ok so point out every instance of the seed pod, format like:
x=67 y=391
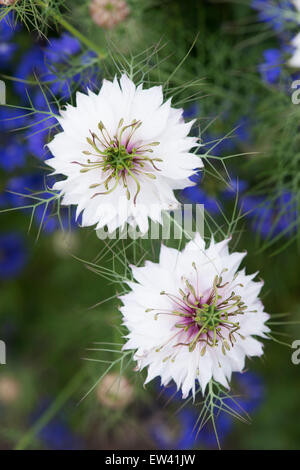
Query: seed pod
x=108 y=13
x=7 y=2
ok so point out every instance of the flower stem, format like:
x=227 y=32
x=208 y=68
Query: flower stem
x=65 y=24
x=212 y=407
x=53 y=409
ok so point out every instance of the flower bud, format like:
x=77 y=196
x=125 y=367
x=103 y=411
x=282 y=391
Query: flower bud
x=108 y=13
x=115 y=392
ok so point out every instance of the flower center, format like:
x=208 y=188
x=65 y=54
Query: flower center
x=208 y=316
x=210 y=320
x=120 y=159
x=207 y=321
x=110 y=7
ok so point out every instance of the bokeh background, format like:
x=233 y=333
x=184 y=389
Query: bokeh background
x=226 y=64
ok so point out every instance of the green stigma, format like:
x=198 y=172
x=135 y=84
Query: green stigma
x=209 y=316
x=214 y=320
x=118 y=159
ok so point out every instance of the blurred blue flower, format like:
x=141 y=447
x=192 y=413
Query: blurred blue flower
x=7 y=51
x=12 y=147
x=217 y=145
x=248 y=396
x=50 y=65
x=243 y=129
x=273 y=12
x=58 y=56
x=198 y=194
x=13 y=255
x=250 y=391
x=59 y=52
x=11 y=118
x=8 y=27
x=90 y=79
x=169 y=435
x=30 y=66
x=56 y=434
x=234 y=188
x=47 y=216
x=3 y=199
x=12 y=155
x=45 y=65
x=19 y=186
x=41 y=126
x=272 y=218
x=191 y=111
x=224 y=425
x=188 y=434
x=17 y=194
x=59 y=49
x=270 y=69
x=185 y=434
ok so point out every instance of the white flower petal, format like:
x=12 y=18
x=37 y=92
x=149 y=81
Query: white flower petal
x=156 y=322
x=151 y=131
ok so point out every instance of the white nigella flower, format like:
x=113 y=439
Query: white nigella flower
x=294 y=61
x=297 y=4
x=123 y=152
x=193 y=317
